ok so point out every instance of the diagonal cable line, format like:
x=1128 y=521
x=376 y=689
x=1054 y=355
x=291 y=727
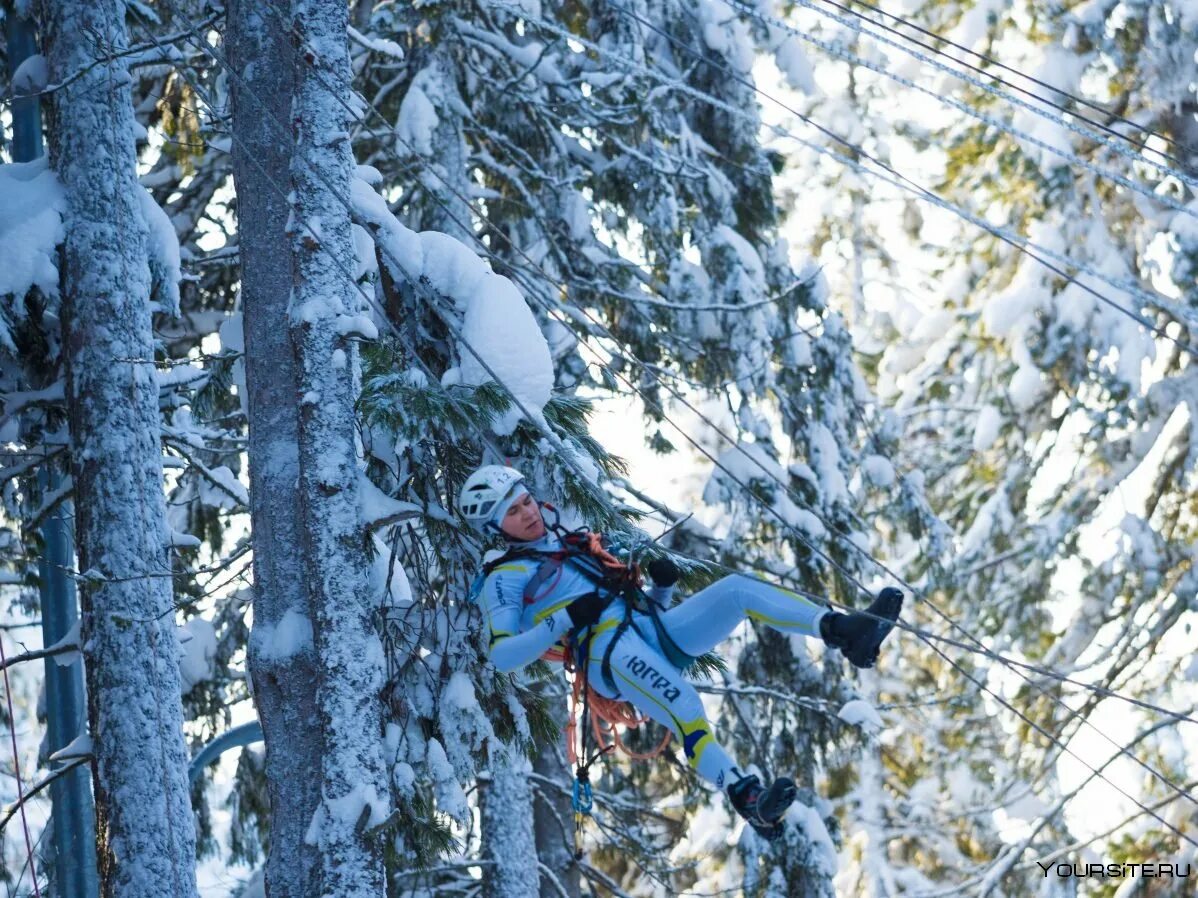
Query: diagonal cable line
x=569 y=461
x=899 y=180
x=536 y=420
x=551 y=311
x=994 y=62
x=726 y=437
x=965 y=108
x=849 y=575
x=982 y=650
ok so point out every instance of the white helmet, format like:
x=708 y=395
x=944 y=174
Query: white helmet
x=485 y=490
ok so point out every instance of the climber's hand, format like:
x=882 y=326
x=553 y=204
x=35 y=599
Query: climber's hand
x=663 y=571
x=585 y=610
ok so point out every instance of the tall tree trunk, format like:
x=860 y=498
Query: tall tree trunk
x=144 y=819
x=507 y=831
x=284 y=682
x=506 y=827
x=354 y=787
x=553 y=813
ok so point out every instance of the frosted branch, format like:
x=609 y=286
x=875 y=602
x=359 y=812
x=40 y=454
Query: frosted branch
x=38 y=787
x=35 y=654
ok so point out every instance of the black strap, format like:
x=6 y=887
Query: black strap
x=586 y=758
x=605 y=669
x=509 y=555
x=673 y=653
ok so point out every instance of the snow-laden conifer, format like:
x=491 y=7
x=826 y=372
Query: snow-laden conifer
x=324 y=316
x=145 y=828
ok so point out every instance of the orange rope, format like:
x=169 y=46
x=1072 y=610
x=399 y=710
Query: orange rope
x=606 y=715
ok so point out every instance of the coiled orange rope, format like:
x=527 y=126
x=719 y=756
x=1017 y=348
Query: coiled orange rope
x=606 y=715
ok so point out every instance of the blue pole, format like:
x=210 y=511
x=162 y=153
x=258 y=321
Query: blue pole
x=73 y=820
x=238 y=737
x=26 y=112
x=74 y=816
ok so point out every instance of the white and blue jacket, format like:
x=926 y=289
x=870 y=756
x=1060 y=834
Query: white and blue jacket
x=519 y=634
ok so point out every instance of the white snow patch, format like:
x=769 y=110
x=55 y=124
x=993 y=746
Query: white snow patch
x=377 y=44
x=356 y=326
x=365 y=261
x=79 y=747
x=31 y=76
x=71 y=638
x=499 y=336
x=404 y=779
x=500 y=333
x=1025 y=386
x=993 y=512
x=417 y=120
x=451 y=799
x=232 y=339
x=861 y=713
x=749 y=260
x=226 y=493
x=30 y=229
x=163 y=248
x=793 y=62
x=399 y=590
x=349 y=808
x=800 y=351
x=825 y=458
x=878 y=470
x=452 y=268
x=809 y=820
x=176 y=539
x=290 y=636
x=726 y=33
x=985 y=431
x=376 y=506
x=463 y=723
x=197 y=652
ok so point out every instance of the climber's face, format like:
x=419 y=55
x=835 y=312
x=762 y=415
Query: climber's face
x=523 y=520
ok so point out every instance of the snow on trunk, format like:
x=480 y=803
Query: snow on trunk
x=284 y=681
x=553 y=813
x=507 y=829
x=144 y=818
x=336 y=568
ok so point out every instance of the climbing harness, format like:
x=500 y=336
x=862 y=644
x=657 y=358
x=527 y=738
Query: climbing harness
x=589 y=554
x=594 y=732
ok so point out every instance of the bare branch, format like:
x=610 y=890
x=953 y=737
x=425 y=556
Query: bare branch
x=38 y=787
x=35 y=654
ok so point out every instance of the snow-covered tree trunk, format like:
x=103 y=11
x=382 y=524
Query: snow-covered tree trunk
x=508 y=841
x=144 y=819
x=283 y=672
x=553 y=813
x=336 y=565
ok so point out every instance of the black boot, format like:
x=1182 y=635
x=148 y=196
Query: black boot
x=860 y=635
x=762 y=807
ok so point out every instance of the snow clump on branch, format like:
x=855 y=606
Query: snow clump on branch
x=497 y=336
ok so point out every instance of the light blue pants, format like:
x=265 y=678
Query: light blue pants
x=656 y=688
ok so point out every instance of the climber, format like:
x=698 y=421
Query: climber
x=552 y=587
